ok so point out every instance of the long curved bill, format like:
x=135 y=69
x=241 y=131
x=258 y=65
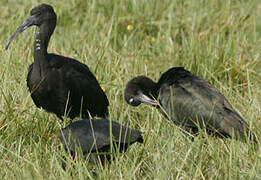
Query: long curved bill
x=145 y=99
x=29 y=22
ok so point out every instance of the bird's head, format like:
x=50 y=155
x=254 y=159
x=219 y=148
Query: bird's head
x=38 y=16
x=139 y=90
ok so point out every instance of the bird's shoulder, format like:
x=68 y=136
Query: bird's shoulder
x=67 y=64
x=71 y=69
x=174 y=75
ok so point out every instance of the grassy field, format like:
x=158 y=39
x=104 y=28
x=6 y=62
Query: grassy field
x=217 y=40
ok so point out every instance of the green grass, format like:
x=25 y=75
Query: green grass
x=217 y=40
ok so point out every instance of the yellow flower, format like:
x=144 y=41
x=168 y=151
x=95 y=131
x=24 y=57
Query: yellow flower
x=103 y=89
x=153 y=39
x=130 y=27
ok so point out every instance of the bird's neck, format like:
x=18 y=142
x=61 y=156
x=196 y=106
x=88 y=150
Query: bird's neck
x=155 y=90
x=40 y=46
x=42 y=39
x=152 y=89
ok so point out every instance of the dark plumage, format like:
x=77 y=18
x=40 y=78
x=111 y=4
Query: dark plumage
x=93 y=136
x=190 y=102
x=59 y=84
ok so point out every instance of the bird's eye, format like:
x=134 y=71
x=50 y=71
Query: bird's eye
x=131 y=100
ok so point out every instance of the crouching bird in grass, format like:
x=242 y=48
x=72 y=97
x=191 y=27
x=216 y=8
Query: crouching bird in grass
x=59 y=84
x=190 y=102
x=96 y=138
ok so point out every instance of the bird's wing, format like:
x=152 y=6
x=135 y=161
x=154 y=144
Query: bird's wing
x=80 y=80
x=84 y=133
x=95 y=134
x=121 y=133
x=195 y=99
x=88 y=87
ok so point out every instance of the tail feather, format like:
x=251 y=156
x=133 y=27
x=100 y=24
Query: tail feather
x=235 y=126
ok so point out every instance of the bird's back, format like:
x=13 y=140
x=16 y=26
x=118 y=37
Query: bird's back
x=192 y=101
x=95 y=134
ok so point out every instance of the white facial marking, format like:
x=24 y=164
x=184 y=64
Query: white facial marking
x=25 y=28
x=131 y=100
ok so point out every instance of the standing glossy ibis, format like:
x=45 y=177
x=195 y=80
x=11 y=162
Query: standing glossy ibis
x=95 y=136
x=190 y=102
x=59 y=84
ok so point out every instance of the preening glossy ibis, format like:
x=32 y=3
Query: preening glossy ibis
x=94 y=136
x=59 y=84
x=190 y=102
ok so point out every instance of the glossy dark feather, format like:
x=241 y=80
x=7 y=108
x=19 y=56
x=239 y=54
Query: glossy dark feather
x=59 y=84
x=70 y=84
x=191 y=102
x=95 y=136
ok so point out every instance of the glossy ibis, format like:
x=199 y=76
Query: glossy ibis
x=190 y=102
x=95 y=136
x=59 y=84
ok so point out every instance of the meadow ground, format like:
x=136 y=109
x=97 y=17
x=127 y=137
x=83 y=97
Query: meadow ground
x=217 y=40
